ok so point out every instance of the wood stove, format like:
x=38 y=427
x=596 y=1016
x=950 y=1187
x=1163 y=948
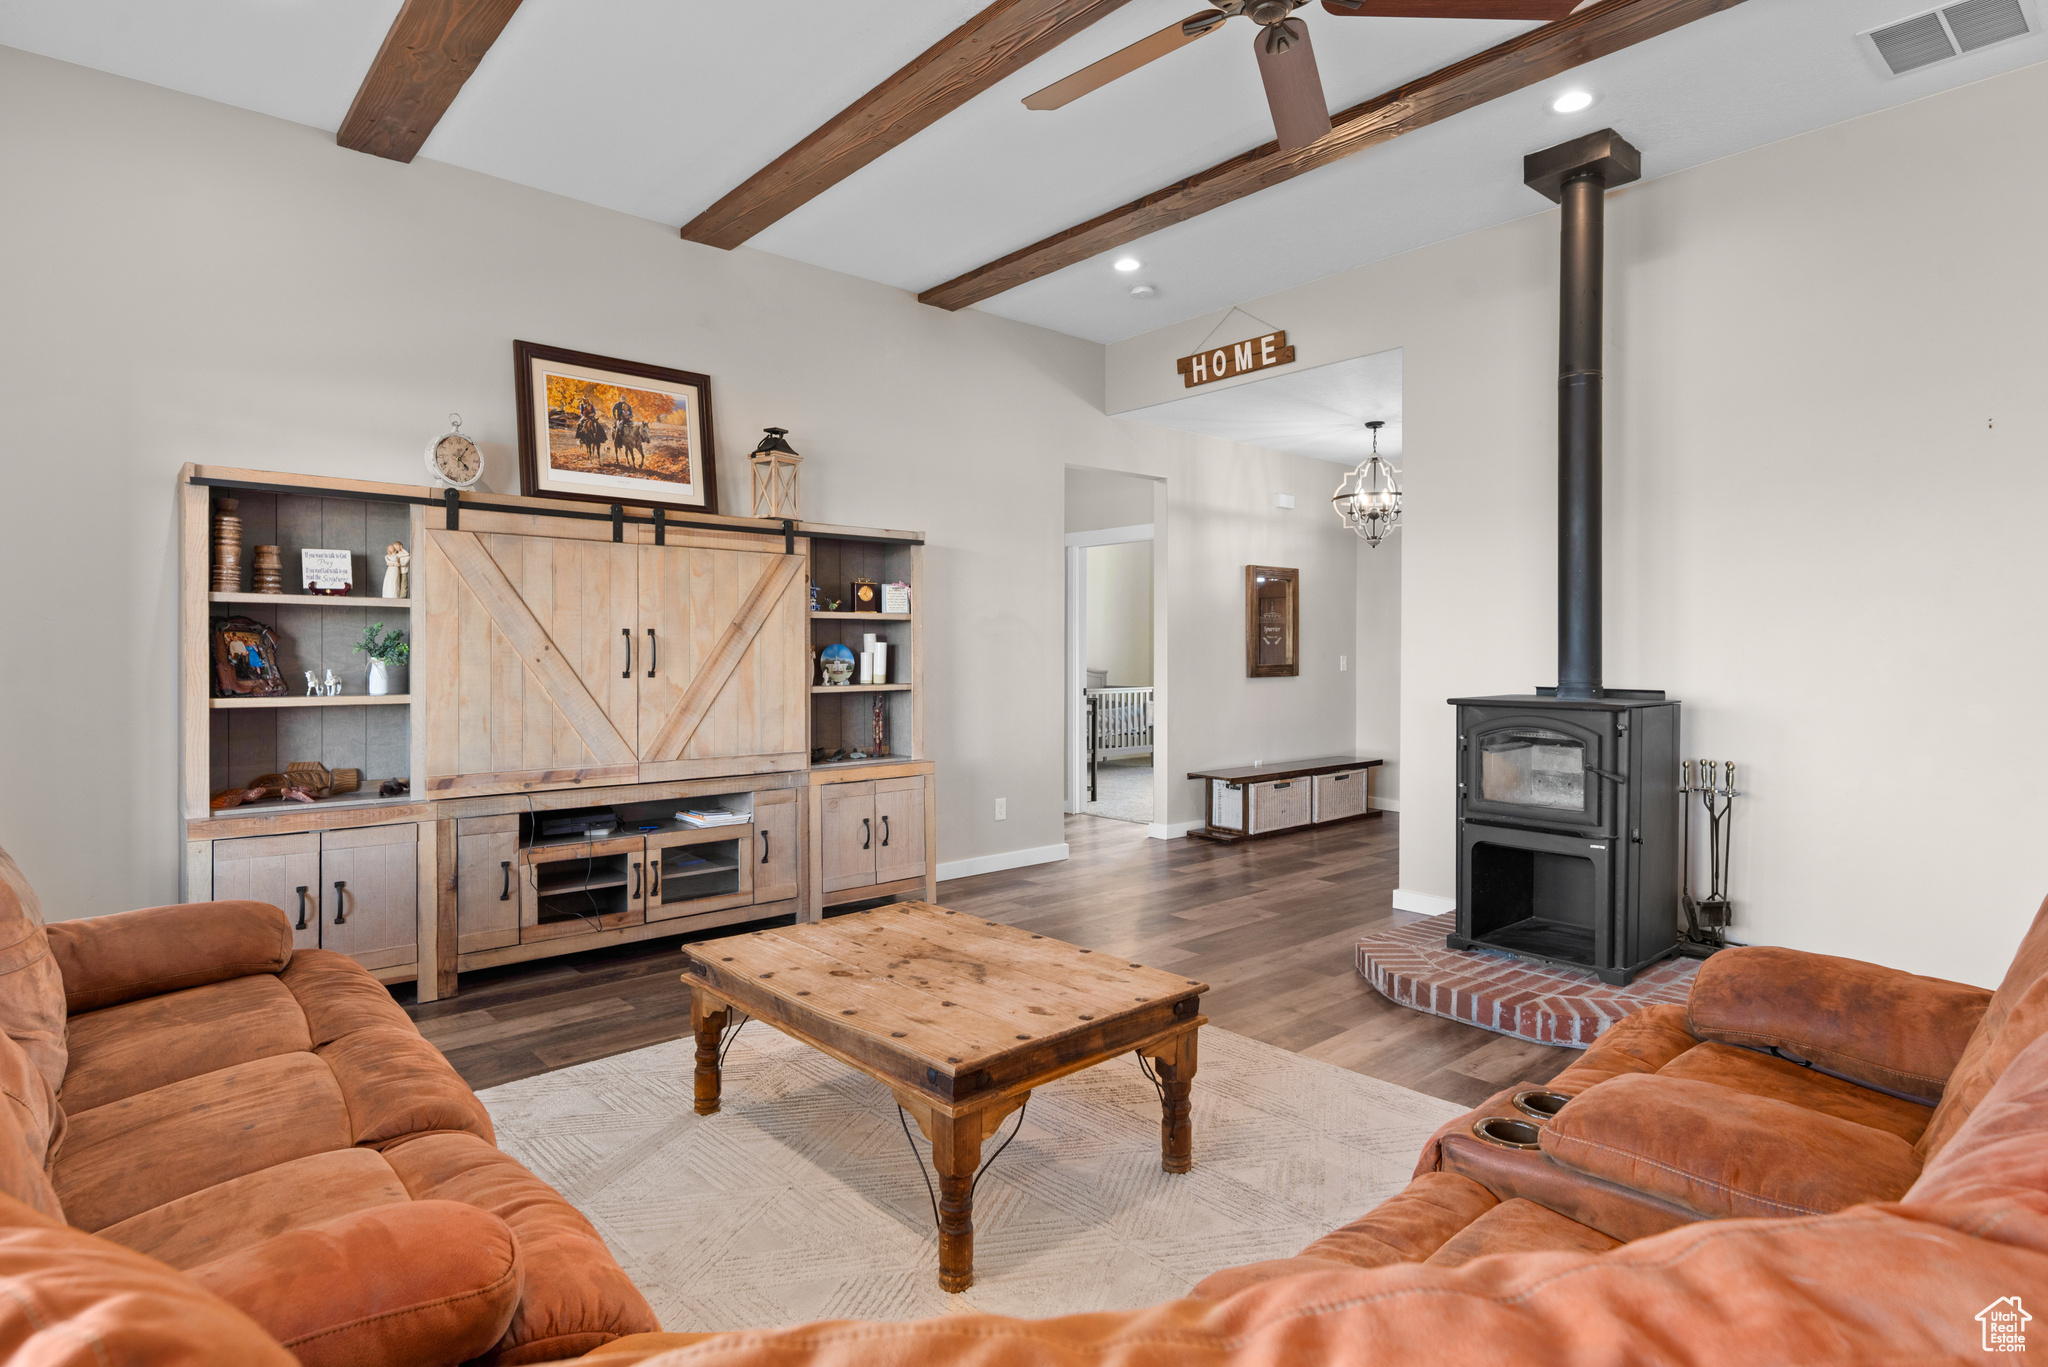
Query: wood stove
x=1568 y=800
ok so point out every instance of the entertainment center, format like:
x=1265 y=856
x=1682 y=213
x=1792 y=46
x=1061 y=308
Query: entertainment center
x=581 y=677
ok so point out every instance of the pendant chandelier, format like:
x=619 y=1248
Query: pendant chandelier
x=1369 y=500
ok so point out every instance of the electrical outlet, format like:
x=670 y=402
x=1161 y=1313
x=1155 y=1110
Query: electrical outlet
x=1343 y=664
x=1002 y=809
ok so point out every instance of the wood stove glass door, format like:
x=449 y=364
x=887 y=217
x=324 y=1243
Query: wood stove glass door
x=1539 y=770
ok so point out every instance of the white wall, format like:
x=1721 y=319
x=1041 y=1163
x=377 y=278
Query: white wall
x=1098 y=500
x=1378 y=663
x=1120 y=612
x=1827 y=427
x=189 y=281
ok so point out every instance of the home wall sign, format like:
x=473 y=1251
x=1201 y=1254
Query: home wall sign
x=1236 y=358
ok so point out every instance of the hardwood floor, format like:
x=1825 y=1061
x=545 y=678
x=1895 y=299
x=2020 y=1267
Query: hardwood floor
x=1270 y=926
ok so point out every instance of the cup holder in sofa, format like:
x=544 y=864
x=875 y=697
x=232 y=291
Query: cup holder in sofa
x=1540 y=1105
x=1504 y=1133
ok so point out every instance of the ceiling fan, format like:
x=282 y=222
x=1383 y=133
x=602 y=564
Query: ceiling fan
x=1287 y=63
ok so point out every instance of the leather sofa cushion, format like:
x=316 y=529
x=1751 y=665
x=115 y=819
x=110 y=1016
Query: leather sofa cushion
x=399 y=1086
x=245 y=1211
x=131 y=1155
x=1745 y=1070
x=1641 y=1042
x=1726 y=1153
x=338 y=997
x=1878 y=1026
x=76 y=1301
x=30 y=1120
x=1988 y=1051
x=108 y=960
x=1994 y=1173
x=31 y=988
x=426 y=1283
x=1405 y=1228
x=122 y=1051
x=1519 y=1226
x=577 y=1296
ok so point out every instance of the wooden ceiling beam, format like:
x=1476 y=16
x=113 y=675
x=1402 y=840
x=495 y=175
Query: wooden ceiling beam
x=1537 y=55
x=994 y=44
x=432 y=48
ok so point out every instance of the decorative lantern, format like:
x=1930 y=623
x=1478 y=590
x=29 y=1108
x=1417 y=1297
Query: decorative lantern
x=1369 y=499
x=774 y=463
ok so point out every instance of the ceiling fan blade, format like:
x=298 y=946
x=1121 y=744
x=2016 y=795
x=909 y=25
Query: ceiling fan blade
x=1120 y=63
x=1547 y=11
x=1294 y=90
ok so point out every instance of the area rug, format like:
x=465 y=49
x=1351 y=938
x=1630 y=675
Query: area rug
x=1123 y=790
x=1495 y=991
x=801 y=1200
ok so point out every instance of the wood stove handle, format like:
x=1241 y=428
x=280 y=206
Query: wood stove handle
x=1610 y=776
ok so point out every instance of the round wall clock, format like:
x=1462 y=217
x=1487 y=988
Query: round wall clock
x=453 y=460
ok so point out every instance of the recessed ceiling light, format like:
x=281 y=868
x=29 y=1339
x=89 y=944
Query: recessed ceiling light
x=1128 y=263
x=1142 y=291
x=1572 y=101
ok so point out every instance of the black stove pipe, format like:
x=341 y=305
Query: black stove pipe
x=1578 y=175
x=1578 y=436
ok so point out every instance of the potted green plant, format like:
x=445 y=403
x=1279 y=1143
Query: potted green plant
x=388 y=654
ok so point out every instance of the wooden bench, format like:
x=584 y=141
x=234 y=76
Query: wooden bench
x=1271 y=799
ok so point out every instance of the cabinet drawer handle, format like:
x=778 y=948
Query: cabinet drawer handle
x=1278 y=786
x=627 y=672
x=506 y=895
x=1340 y=778
x=764 y=847
x=340 y=902
x=302 y=910
x=636 y=882
x=867 y=833
x=885 y=831
x=653 y=653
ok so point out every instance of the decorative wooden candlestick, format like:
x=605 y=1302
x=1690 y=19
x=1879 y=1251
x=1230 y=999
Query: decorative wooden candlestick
x=267 y=574
x=227 y=548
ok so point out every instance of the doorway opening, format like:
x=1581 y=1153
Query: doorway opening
x=1112 y=702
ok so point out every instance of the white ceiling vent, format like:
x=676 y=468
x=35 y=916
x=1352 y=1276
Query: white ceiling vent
x=1950 y=31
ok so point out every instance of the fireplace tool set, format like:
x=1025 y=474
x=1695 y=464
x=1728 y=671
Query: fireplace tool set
x=1707 y=919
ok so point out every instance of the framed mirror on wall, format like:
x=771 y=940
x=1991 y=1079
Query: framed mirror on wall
x=1272 y=622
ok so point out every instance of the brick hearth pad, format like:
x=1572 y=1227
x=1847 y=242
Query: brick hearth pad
x=1414 y=967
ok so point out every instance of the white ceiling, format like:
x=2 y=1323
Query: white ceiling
x=657 y=108
x=1320 y=412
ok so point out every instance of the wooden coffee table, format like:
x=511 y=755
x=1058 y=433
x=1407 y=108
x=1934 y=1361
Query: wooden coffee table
x=959 y=1017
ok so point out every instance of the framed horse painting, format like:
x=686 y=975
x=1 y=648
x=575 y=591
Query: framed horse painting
x=611 y=431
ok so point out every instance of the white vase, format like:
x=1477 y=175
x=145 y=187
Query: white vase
x=386 y=678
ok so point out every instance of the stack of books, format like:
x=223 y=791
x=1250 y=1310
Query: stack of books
x=713 y=816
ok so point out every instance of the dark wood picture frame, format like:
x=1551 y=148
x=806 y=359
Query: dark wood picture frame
x=703 y=453
x=1272 y=585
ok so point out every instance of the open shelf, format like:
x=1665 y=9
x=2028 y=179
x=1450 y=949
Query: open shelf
x=345 y=700
x=867 y=763
x=861 y=616
x=549 y=887
x=318 y=600
x=860 y=688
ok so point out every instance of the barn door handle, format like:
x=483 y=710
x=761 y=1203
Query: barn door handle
x=636 y=882
x=885 y=831
x=867 y=833
x=506 y=895
x=653 y=653
x=764 y=847
x=627 y=672
x=302 y=910
x=340 y=902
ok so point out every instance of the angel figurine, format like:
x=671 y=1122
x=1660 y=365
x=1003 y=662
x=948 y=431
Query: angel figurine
x=397 y=571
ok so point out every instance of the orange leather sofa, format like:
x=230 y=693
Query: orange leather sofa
x=269 y=1128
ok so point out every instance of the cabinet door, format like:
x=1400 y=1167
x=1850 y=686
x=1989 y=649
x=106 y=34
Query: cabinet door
x=692 y=871
x=899 y=828
x=283 y=870
x=486 y=882
x=848 y=840
x=371 y=907
x=725 y=679
x=534 y=675
x=774 y=845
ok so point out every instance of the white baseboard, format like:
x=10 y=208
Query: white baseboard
x=1171 y=830
x=1386 y=804
x=1428 y=903
x=996 y=863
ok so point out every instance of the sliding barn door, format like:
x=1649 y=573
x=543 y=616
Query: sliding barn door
x=534 y=677
x=726 y=685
